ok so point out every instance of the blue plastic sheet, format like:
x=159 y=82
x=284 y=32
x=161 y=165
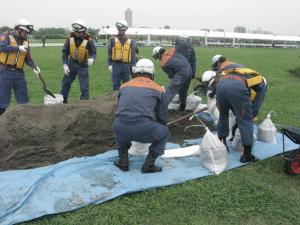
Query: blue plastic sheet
x=77 y=182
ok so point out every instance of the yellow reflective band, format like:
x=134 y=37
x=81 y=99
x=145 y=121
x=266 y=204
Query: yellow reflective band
x=254 y=81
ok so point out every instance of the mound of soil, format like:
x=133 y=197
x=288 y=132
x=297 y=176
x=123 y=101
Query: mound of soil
x=34 y=136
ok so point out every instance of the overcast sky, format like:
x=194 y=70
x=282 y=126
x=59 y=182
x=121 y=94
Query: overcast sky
x=277 y=16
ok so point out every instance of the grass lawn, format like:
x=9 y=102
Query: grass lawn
x=259 y=193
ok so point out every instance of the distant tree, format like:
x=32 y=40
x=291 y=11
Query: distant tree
x=51 y=33
x=167 y=27
x=5 y=28
x=93 y=32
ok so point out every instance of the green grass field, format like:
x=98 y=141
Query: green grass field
x=259 y=193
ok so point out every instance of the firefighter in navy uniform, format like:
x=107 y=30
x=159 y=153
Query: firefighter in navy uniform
x=141 y=116
x=14 y=52
x=184 y=46
x=79 y=52
x=176 y=66
x=241 y=90
x=121 y=56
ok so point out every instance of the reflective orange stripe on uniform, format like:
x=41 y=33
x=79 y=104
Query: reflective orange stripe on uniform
x=143 y=82
x=166 y=56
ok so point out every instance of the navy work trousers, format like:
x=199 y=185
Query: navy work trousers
x=234 y=95
x=141 y=130
x=12 y=80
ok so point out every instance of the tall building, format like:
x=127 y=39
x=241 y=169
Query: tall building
x=239 y=29
x=128 y=17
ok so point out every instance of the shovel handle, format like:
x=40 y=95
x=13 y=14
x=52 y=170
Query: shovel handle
x=185 y=116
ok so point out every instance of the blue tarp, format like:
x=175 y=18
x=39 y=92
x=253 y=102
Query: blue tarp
x=77 y=182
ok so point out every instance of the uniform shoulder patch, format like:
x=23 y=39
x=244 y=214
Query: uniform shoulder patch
x=4 y=36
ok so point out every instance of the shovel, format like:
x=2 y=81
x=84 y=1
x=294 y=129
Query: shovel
x=44 y=86
x=186 y=116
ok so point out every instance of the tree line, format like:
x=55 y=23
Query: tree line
x=52 y=32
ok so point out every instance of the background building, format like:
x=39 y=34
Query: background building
x=239 y=29
x=128 y=17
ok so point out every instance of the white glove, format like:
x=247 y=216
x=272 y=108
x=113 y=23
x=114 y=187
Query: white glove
x=66 y=69
x=110 y=68
x=22 y=48
x=90 y=61
x=36 y=70
x=133 y=69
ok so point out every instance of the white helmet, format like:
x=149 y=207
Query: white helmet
x=122 y=25
x=79 y=26
x=25 y=25
x=157 y=51
x=145 y=66
x=208 y=76
x=216 y=59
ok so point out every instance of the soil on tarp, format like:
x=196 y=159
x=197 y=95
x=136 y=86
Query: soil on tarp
x=33 y=136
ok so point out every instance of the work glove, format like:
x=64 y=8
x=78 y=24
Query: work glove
x=133 y=69
x=36 y=71
x=66 y=69
x=90 y=61
x=110 y=68
x=22 y=48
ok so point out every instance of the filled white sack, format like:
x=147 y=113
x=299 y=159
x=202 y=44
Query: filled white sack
x=213 y=153
x=267 y=131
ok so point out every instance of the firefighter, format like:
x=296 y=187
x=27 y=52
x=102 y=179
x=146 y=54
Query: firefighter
x=141 y=116
x=176 y=66
x=14 y=52
x=121 y=56
x=238 y=89
x=78 y=53
x=184 y=46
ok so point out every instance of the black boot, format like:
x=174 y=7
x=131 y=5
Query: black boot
x=247 y=155
x=149 y=164
x=122 y=162
x=182 y=106
x=2 y=110
x=223 y=140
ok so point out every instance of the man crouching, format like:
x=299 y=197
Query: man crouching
x=141 y=116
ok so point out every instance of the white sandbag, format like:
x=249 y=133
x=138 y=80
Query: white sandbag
x=174 y=105
x=213 y=153
x=138 y=148
x=237 y=144
x=192 y=102
x=267 y=131
x=212 y=107
x=49 y=100
x=181 y=152
x=232 y=122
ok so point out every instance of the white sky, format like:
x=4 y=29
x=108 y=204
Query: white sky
x=277 y=16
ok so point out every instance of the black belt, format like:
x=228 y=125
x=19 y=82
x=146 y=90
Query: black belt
x=10 y=68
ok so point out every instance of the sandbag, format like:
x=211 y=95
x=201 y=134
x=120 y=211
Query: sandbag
x=192 y=102
x=174 y=105
x=138 y=148
x=213 y=153
x=267 y=131
x=181 y=152
x=232 y=122
x=49 y=100
x=212 y=107
x=237 y=144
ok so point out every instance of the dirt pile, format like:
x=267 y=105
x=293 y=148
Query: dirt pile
x=34 y=136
